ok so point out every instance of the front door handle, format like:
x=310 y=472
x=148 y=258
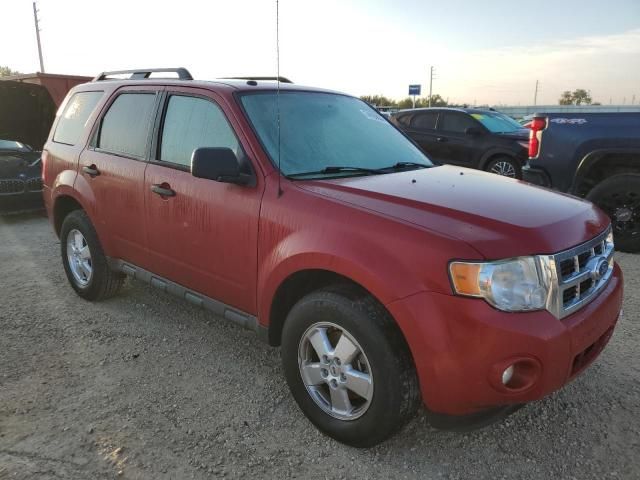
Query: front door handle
x=91 y=170
x=441 y=139
x=163 y=190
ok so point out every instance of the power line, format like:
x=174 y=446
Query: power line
x=37 y=24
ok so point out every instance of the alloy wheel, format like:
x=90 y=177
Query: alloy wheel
x=335 y=371
x=79 y=258
x=504 y=168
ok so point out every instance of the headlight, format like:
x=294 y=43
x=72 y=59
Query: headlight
x=512 y=285
x=609 y=240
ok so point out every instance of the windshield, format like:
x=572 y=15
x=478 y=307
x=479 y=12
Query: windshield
x=497 y=122
x=320 y=130
x=13 y=145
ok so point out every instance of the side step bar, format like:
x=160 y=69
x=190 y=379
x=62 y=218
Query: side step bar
x=218 y=308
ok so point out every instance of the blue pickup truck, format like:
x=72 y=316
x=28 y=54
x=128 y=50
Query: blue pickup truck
x=595 y=156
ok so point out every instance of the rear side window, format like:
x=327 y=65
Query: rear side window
x=125 y=126
x=457 y=122
x=425 y=121
x=191 y=123
x=404 y=119
x=74 y=117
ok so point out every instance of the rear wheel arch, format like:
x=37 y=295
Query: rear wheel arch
x=600 y=165
x=63 y=206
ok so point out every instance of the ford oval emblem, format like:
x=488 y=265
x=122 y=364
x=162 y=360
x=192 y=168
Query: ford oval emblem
x=601 y=269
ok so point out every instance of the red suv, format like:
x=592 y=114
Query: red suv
x=305 y=216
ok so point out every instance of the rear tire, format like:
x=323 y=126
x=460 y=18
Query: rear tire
x=619 y=197
x=505 y=166
x=357 y=414
x=84 y=260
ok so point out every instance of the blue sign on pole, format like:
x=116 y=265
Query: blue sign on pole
x=414 y=89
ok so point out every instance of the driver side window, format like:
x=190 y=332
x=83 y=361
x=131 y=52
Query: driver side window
x=190 y=123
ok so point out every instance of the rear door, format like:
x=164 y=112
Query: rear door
x=422 y=129
x=112 y=170
x=458 y=147
x=203 y=236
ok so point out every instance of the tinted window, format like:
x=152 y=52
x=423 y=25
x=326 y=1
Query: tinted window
x=457 y=122
x=74 y=117
x=191 y=123
x=125 y=126
x=425 y=121
x=404 y=119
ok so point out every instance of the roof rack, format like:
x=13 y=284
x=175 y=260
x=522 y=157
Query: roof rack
x=279 y=79
x=145 y=73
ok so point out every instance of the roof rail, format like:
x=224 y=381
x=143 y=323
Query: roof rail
x=280 y=79
x=144 y=73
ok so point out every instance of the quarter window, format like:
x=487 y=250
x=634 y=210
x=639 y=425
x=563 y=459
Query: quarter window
x=74 y=117
x=191 y=123
x=125 y=126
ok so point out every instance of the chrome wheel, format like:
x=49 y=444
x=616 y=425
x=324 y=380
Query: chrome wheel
x=79 y=258
x=504 y=168
x=335 y=371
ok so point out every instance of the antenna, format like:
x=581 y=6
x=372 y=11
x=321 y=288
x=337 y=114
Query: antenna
x=278 y=90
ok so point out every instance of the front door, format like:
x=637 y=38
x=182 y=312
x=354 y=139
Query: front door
x=203 y=235
x=458 y=146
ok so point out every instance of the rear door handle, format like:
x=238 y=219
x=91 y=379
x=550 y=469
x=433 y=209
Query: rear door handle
x=91 y=170
x=163 y=191
x=441 y=139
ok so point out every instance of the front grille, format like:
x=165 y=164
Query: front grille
x=11 y=187
x=34 y=184
x=578 y=274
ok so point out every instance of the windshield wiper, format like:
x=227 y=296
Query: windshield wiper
x=337 y=169
x=403 y=165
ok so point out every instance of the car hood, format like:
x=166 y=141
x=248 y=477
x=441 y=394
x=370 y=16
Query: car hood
x=14 y=164
x=522 y=134
x=498 y=216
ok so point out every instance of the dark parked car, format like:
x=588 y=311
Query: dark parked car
x=20 y=178
x=595 y=156
x=470 y=137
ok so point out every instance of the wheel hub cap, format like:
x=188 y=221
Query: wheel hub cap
x=504 y=168
x=79 y=258
x=335 y=371
x=623 y=214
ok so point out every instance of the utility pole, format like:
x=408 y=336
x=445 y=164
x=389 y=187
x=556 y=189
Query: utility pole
x=430 y=84
x=35 y=18
x=535 y=95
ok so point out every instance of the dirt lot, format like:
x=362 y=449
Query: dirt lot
x=146 y=386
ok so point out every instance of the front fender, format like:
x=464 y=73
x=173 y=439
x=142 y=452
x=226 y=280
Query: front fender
x=373 y=268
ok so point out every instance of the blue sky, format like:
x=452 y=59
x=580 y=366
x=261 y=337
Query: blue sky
x=484 y=52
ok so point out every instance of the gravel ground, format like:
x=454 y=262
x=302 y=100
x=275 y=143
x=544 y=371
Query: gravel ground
x=147 y=386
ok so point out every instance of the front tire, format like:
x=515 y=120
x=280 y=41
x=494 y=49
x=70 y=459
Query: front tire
x=348 y=366
x=619 y=197
x=84 y=260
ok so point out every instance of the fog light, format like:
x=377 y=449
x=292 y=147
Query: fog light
x=507 y=375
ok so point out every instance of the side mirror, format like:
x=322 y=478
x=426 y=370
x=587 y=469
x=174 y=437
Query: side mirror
x=219 y=164
x=473 y=131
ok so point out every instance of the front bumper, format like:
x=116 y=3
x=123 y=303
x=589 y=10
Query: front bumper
x=21 y=202
x=461 y=345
